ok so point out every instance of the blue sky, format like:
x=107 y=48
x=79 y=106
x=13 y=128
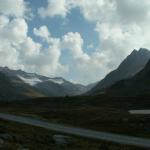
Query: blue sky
x=58 y=26
x=80 y=40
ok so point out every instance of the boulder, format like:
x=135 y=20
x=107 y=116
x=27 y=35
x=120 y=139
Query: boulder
x=62 y=139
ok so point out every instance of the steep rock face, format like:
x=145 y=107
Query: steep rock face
x=138 y=84
x=128 y=68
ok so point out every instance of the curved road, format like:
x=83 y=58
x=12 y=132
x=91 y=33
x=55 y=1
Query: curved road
x=140 y=142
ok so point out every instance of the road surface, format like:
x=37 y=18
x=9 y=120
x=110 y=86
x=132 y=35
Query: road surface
x=121 y=139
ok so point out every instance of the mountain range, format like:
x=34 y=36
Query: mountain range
x=17 y=84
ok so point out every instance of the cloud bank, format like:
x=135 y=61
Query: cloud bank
x=121 y=26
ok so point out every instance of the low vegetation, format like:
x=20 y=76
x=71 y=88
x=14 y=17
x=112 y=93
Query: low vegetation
x=101 y=113
x=23 y=137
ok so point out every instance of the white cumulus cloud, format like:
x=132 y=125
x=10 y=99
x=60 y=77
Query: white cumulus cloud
x=17 y=8
x=42 y=32
x=122 y=25
x=54 y=8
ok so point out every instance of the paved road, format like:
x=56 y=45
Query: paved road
x=140 y=142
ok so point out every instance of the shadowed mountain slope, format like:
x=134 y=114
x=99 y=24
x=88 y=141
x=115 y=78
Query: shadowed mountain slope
x=134 y=63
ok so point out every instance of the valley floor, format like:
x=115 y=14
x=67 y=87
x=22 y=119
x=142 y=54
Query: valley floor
x=100 y=113
x=15 y=136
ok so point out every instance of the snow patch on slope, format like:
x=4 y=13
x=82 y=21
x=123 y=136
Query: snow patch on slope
x=31 y=81
x=58 y=81
x=139 y=112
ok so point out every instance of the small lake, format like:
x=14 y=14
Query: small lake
x=139 y=112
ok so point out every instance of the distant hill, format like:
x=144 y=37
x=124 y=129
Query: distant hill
x=132 y=64
x=17 y=84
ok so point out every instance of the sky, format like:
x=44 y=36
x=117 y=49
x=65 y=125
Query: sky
x=80 y=40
